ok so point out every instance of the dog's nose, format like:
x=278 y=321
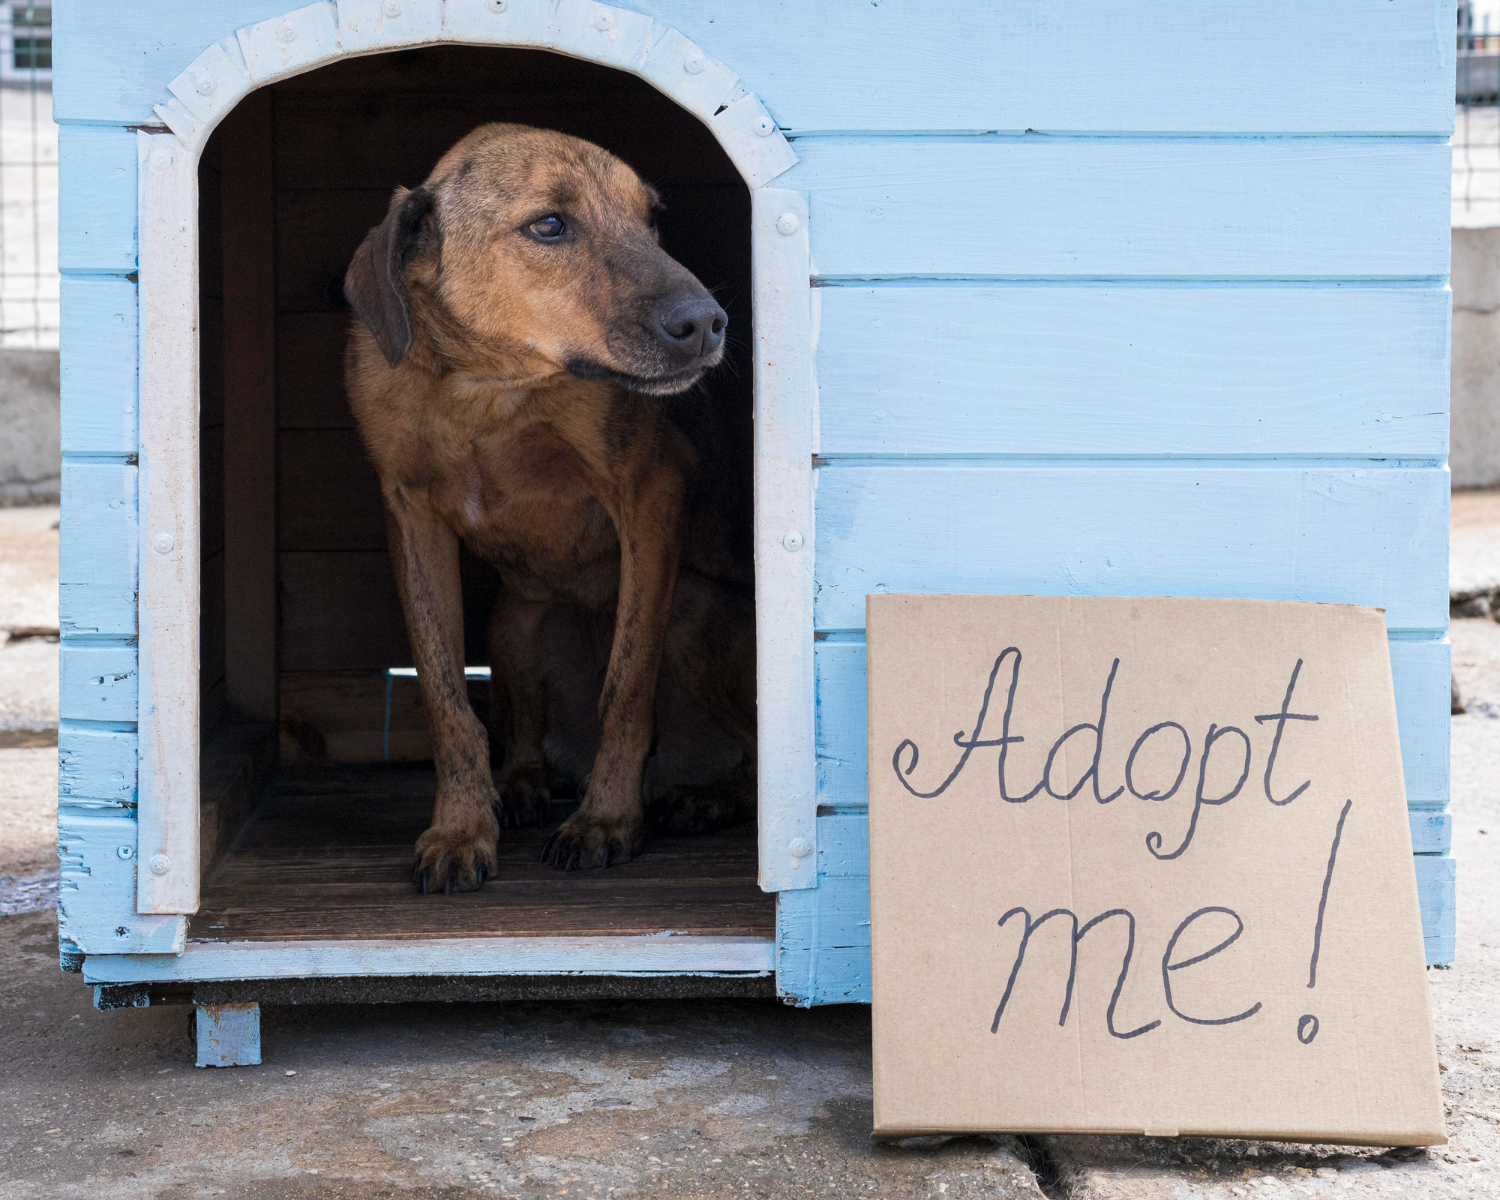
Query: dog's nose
x=692 y=325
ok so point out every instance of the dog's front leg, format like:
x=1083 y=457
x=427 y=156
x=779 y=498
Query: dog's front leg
x=609 y=826
x=457 y=852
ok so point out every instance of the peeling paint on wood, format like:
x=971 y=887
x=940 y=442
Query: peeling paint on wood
x=228 y=1035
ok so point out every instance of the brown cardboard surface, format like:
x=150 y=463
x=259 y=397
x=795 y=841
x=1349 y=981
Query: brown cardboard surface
x=1294 y=1005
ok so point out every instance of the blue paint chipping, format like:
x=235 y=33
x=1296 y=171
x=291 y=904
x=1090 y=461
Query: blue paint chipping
x=228 y=1035
x=1091 y=289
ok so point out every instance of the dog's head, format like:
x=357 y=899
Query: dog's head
x=539 y=250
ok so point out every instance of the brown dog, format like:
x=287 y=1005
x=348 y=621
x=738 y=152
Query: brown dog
x=518 y=326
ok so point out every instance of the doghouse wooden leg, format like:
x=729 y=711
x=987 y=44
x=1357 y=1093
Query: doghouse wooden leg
x=228 y=1035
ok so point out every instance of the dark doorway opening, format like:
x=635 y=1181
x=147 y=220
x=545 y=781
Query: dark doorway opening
x=315 y=771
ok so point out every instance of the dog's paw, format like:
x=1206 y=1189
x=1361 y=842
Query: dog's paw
x=525 y=798
x=456 y=858
x=688 y=810
x=586 y=840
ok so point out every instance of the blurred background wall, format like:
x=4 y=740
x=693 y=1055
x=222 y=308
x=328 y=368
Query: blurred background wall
x=30 y=457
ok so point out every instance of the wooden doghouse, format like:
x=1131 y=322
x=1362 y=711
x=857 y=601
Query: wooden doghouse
x=1087 y=299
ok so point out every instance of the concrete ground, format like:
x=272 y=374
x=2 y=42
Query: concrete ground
x=28 y=629
x=632 y=1099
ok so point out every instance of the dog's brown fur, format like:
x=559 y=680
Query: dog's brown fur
x=506 y=387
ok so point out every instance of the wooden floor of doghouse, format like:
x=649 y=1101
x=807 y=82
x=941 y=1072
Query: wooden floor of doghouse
x=328 y=855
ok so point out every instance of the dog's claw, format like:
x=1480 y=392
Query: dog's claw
x=578 y=844
x=524 y=797
x=454 y=860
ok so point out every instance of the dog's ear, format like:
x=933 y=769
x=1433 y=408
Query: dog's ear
x=375 y=285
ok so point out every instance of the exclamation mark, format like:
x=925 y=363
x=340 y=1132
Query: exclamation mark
x=1307 y=1027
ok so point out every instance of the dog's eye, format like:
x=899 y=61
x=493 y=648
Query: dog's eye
x=547 y=229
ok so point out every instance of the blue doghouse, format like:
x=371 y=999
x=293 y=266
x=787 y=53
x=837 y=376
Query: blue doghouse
x=1082 y=299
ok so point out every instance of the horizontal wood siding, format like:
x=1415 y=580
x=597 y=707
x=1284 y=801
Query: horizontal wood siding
x=98 y=683
x=1298 y=208
x=98 y=550
x=96 y=765
x=1116 y=371
x=99 y=380
x=1375 y=536
x=1277 y=65
x=96 y=197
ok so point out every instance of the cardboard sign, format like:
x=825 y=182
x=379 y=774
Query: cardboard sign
x=1143 y=865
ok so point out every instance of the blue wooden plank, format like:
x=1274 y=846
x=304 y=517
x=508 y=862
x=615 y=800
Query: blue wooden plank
x=96 y=198
x=228 y=1035
x=1431 y=832
x=1184 y=207
x=96 y=765
x=1436 y=889
x=843 y=845
x=100 y=346
x=1091 y=65
x=1376 y=537
x=111 y=63
x=96 y=891
x=836 y=917
x=1118 y=370
x=97 y=683
x=842 y=724
x=644 y=954
x=97 y=551
x=829 y=975
x=1368 y=65
x=1421 y=672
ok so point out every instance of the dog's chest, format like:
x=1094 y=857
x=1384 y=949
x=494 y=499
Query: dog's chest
x=523 y=503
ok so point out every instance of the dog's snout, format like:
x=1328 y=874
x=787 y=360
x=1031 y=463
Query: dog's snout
x=693 y=326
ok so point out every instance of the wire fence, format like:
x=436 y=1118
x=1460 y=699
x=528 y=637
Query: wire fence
x=28 y=180
x=1476 y=124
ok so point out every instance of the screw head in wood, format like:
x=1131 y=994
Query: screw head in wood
x=161 y=161
x=498 y=6
x=125 y=851
x=287 y=32
x=163 y=542
x=792 y=540
x=391 y=8
x=602 y=21
x=160 y=864
x=764 y=126
x=204 y=83
x=693 y=64
x=787 y=224
x=800 y=848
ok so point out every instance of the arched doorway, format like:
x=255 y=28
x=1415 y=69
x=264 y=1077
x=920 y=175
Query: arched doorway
x=316 y=149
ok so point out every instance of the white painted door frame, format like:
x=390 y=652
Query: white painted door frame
x=785 y=395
